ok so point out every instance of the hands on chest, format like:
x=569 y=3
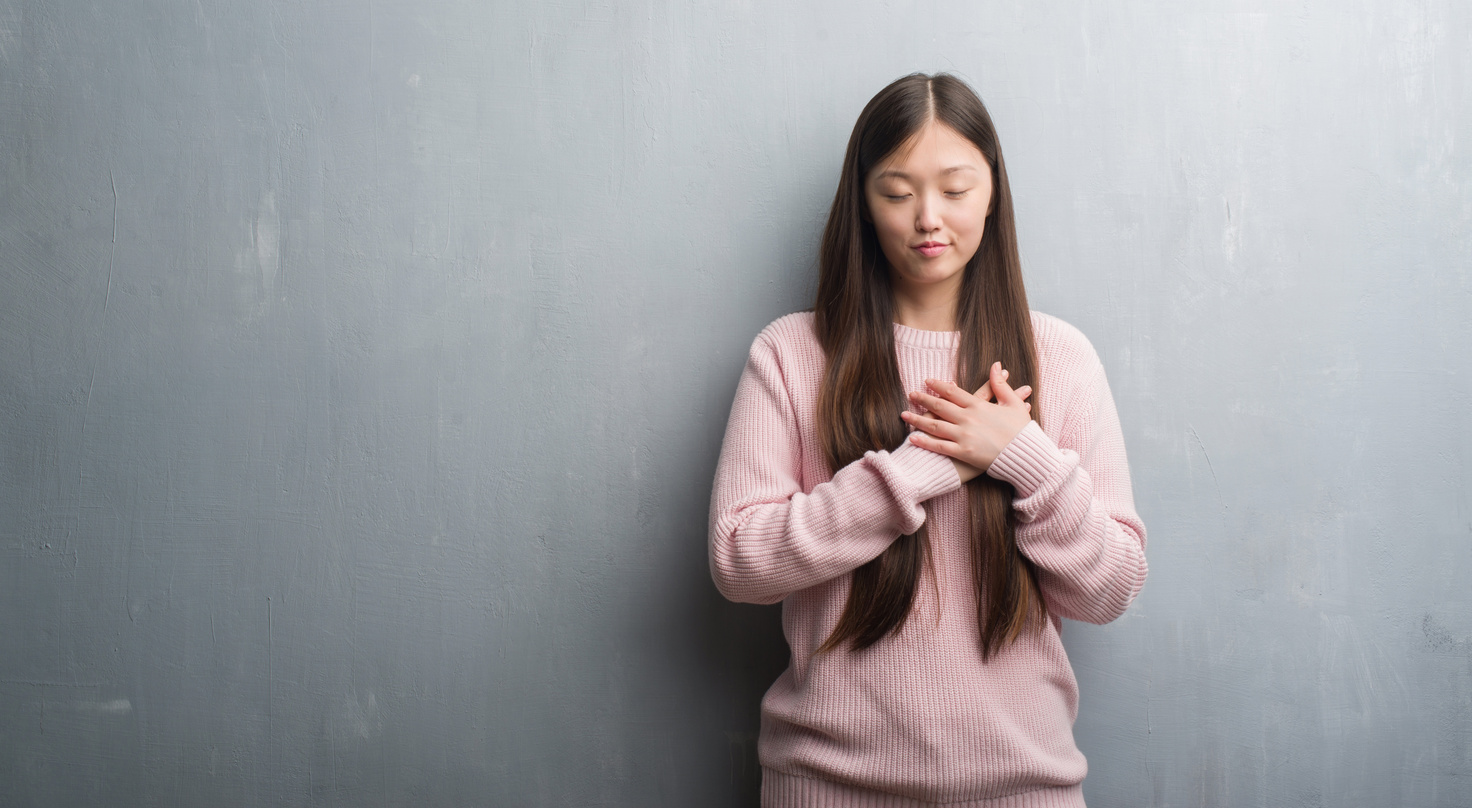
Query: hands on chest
x=970 y=428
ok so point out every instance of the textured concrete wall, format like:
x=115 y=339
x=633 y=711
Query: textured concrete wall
x=363 y=367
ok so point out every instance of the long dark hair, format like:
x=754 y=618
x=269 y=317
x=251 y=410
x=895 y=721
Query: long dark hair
x=862 y=396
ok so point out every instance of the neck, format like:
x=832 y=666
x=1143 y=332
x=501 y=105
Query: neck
x=928 y=308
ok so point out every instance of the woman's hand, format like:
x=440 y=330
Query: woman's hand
x=969 y=428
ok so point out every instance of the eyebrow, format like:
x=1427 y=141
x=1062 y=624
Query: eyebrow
x=902 y=175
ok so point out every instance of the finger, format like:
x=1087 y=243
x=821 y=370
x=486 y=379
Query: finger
x=985 y=391
x=931 y=426
x=937 y=406
x=1024 y=391
x=934 y=444
x=950 y=392
x=1006 y=396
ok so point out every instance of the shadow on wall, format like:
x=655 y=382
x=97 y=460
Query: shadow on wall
x=733 y=651
x=728 y=653
x=745 y=651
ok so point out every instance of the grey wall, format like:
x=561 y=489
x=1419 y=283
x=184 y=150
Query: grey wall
x=363 y=367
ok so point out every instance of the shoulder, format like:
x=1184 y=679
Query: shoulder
x=1070 y=374
x=787 y=353
x=1063 y=350
x=789 y=340
x=791 y=332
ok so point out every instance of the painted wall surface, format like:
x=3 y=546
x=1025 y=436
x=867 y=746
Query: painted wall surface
x=363 y=367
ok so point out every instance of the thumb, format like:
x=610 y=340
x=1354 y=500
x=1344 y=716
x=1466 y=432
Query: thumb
x=1006 y=396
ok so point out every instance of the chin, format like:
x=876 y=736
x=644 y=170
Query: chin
x=930 y=276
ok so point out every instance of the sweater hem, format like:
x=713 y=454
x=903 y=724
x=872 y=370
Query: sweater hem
x=782 y=790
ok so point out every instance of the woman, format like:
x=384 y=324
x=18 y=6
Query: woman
x=924 y=540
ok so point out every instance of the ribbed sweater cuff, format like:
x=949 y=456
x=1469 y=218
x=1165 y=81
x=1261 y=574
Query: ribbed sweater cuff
x=781 y=790
x=1028 y=461
x=929 y=473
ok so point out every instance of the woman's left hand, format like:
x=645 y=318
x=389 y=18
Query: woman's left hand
x=969 y=428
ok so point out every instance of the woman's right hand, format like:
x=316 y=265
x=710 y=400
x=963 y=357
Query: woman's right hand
x=971 y=426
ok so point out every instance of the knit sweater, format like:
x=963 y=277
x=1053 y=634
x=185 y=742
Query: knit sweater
x=918 y=718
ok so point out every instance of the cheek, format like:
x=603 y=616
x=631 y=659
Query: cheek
x=889 y=229
x=977 y=222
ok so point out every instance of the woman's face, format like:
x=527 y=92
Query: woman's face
x=929 y=200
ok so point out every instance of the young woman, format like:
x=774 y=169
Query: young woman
x=928 y=476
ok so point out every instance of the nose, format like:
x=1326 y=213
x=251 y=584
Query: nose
x=927 y=216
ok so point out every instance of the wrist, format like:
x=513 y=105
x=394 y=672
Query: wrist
x=966 y=471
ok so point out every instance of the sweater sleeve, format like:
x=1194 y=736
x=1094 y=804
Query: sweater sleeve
x=1076 y=512
x=769 y=538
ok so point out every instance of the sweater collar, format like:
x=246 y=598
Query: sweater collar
x=931 y=340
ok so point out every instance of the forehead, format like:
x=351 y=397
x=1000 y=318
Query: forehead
x=934 y=150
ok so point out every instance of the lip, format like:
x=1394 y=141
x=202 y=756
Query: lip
x=930 y=249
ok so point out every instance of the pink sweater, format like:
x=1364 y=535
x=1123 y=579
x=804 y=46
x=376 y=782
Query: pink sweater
x=918 y=718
